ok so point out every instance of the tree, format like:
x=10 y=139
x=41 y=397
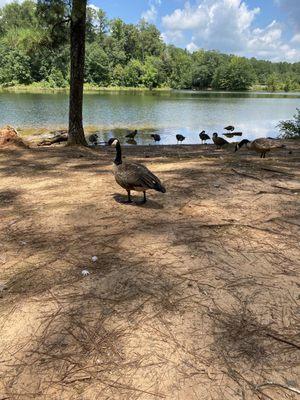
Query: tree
x=133 y=73
x=78 y=20
x=272 y=83
x=238 y=74
x=97 y=65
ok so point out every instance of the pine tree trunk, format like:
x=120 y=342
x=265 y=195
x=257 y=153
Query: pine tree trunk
x=78 y=22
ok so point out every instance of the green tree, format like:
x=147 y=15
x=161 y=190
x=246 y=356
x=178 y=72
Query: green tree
x=97 y=69
x=133 y=73
x=238 y=74
x=14 y=66
x=272 y=83
x=118 y=76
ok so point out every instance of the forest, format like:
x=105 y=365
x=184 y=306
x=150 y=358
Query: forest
x=34 y=50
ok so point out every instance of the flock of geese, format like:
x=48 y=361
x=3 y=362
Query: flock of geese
x=134 y=176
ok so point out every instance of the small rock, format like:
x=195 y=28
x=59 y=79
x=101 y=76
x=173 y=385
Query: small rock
x=85 y=272
x=94 y=258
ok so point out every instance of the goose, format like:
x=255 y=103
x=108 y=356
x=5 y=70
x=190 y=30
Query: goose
x=180 y=138
x=132 y=134
x=229 y=128
x=218 y=141
x=93 y=139
x=156 y=137
x=133 y=176
x=203 y=136
x=260 y=145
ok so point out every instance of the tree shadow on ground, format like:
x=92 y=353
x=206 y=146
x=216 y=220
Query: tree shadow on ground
x=159 y=300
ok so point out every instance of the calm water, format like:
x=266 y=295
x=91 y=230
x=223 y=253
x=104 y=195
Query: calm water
x=166 y=113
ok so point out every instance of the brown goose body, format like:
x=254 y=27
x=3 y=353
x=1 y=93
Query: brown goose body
x=218 y=141
x=134 y=176
x=261 y=145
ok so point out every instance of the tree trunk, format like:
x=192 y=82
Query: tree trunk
x=78 y=22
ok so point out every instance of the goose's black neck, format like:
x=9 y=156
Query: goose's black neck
x=243 y=142
x=118 y=159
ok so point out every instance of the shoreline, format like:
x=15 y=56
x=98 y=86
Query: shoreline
x=34 y=88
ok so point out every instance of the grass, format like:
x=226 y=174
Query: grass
x=39 y=87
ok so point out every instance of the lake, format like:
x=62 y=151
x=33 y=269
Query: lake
x=256 y=114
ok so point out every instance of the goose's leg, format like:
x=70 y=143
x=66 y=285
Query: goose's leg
x=144 y=199
x=261 y=156
x=129 y=197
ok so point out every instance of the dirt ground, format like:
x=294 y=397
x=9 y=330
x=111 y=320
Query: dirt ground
x=193 y=296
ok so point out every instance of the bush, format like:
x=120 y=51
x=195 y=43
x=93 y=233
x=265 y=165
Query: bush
x=56 y=79
x=14 y=66
x=290 y=129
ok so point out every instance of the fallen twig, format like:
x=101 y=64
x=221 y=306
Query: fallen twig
x=283 y=340
x=278 y=171
x=292 y=389
x=247 y=175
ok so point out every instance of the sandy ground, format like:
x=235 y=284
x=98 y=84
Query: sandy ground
x=194 y=295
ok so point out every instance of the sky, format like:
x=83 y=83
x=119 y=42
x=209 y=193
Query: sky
x=266 y=29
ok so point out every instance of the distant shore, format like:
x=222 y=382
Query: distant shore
x=88 y=88
x=37 y=88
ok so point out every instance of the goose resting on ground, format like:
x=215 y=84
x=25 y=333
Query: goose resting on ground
x=218 y=141
x=261 y=145
x=180 y=138
x=133 y=176
x=203 y=136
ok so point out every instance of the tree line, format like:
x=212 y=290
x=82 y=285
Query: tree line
x=35 y=40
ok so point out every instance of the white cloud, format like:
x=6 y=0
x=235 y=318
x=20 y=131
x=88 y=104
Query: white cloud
x=150 y=15
x=227 y=25
x=296 y=38
x=191 y=47
x=94 y=7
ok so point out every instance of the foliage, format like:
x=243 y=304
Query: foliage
x=272 y=82
x=34 y=47
x=237 y=74
x=97 y=65
x=290 y=129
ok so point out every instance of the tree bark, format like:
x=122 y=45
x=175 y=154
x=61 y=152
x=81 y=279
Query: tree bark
x=78 y=22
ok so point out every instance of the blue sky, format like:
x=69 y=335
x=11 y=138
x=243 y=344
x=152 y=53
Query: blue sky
x=266 y=29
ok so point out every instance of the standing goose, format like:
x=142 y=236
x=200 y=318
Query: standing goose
x=132 y=134
x=261 y=145
x=229 y=128
x=180 y=138
x=218 y=141
x=133 y=176
x=203 y=136
x=156 y=137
